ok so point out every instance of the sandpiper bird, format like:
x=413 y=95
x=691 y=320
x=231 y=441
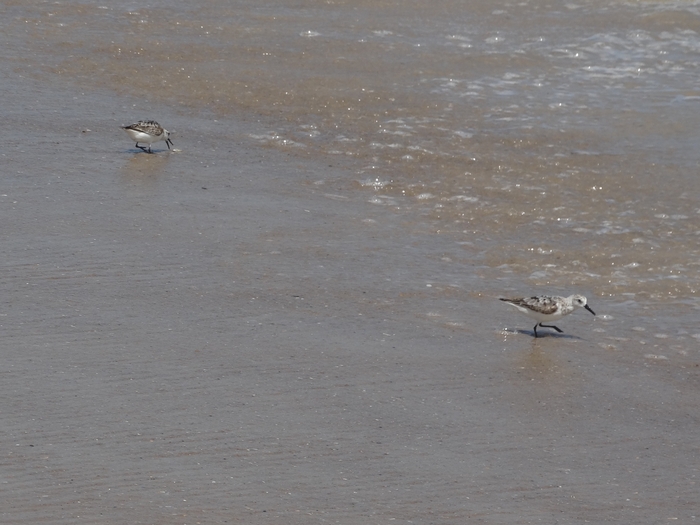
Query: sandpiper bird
x=548 y=308
x=148 y=131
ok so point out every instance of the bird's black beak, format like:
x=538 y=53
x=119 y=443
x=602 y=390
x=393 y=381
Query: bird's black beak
x=589 y=309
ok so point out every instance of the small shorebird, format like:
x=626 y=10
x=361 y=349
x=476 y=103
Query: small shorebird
x=548 y=308
x=148 y=131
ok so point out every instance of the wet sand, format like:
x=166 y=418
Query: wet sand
x=229 y=334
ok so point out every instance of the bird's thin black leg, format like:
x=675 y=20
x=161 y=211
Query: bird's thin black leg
x=140 y=147
x=551 y=326
x=535 y=329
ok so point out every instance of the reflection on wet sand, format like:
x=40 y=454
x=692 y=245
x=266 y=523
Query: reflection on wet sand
x=143 y=167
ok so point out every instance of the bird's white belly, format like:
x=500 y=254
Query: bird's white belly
x=538 y=315
x=139 y=136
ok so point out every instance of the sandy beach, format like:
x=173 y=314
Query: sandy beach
x=248 y=331
x=225 y=334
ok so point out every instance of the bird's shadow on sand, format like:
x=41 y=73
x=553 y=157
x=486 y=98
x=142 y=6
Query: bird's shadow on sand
x=139 y=150
x=541 y=334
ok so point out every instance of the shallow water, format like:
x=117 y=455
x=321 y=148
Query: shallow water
x=555 y=142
